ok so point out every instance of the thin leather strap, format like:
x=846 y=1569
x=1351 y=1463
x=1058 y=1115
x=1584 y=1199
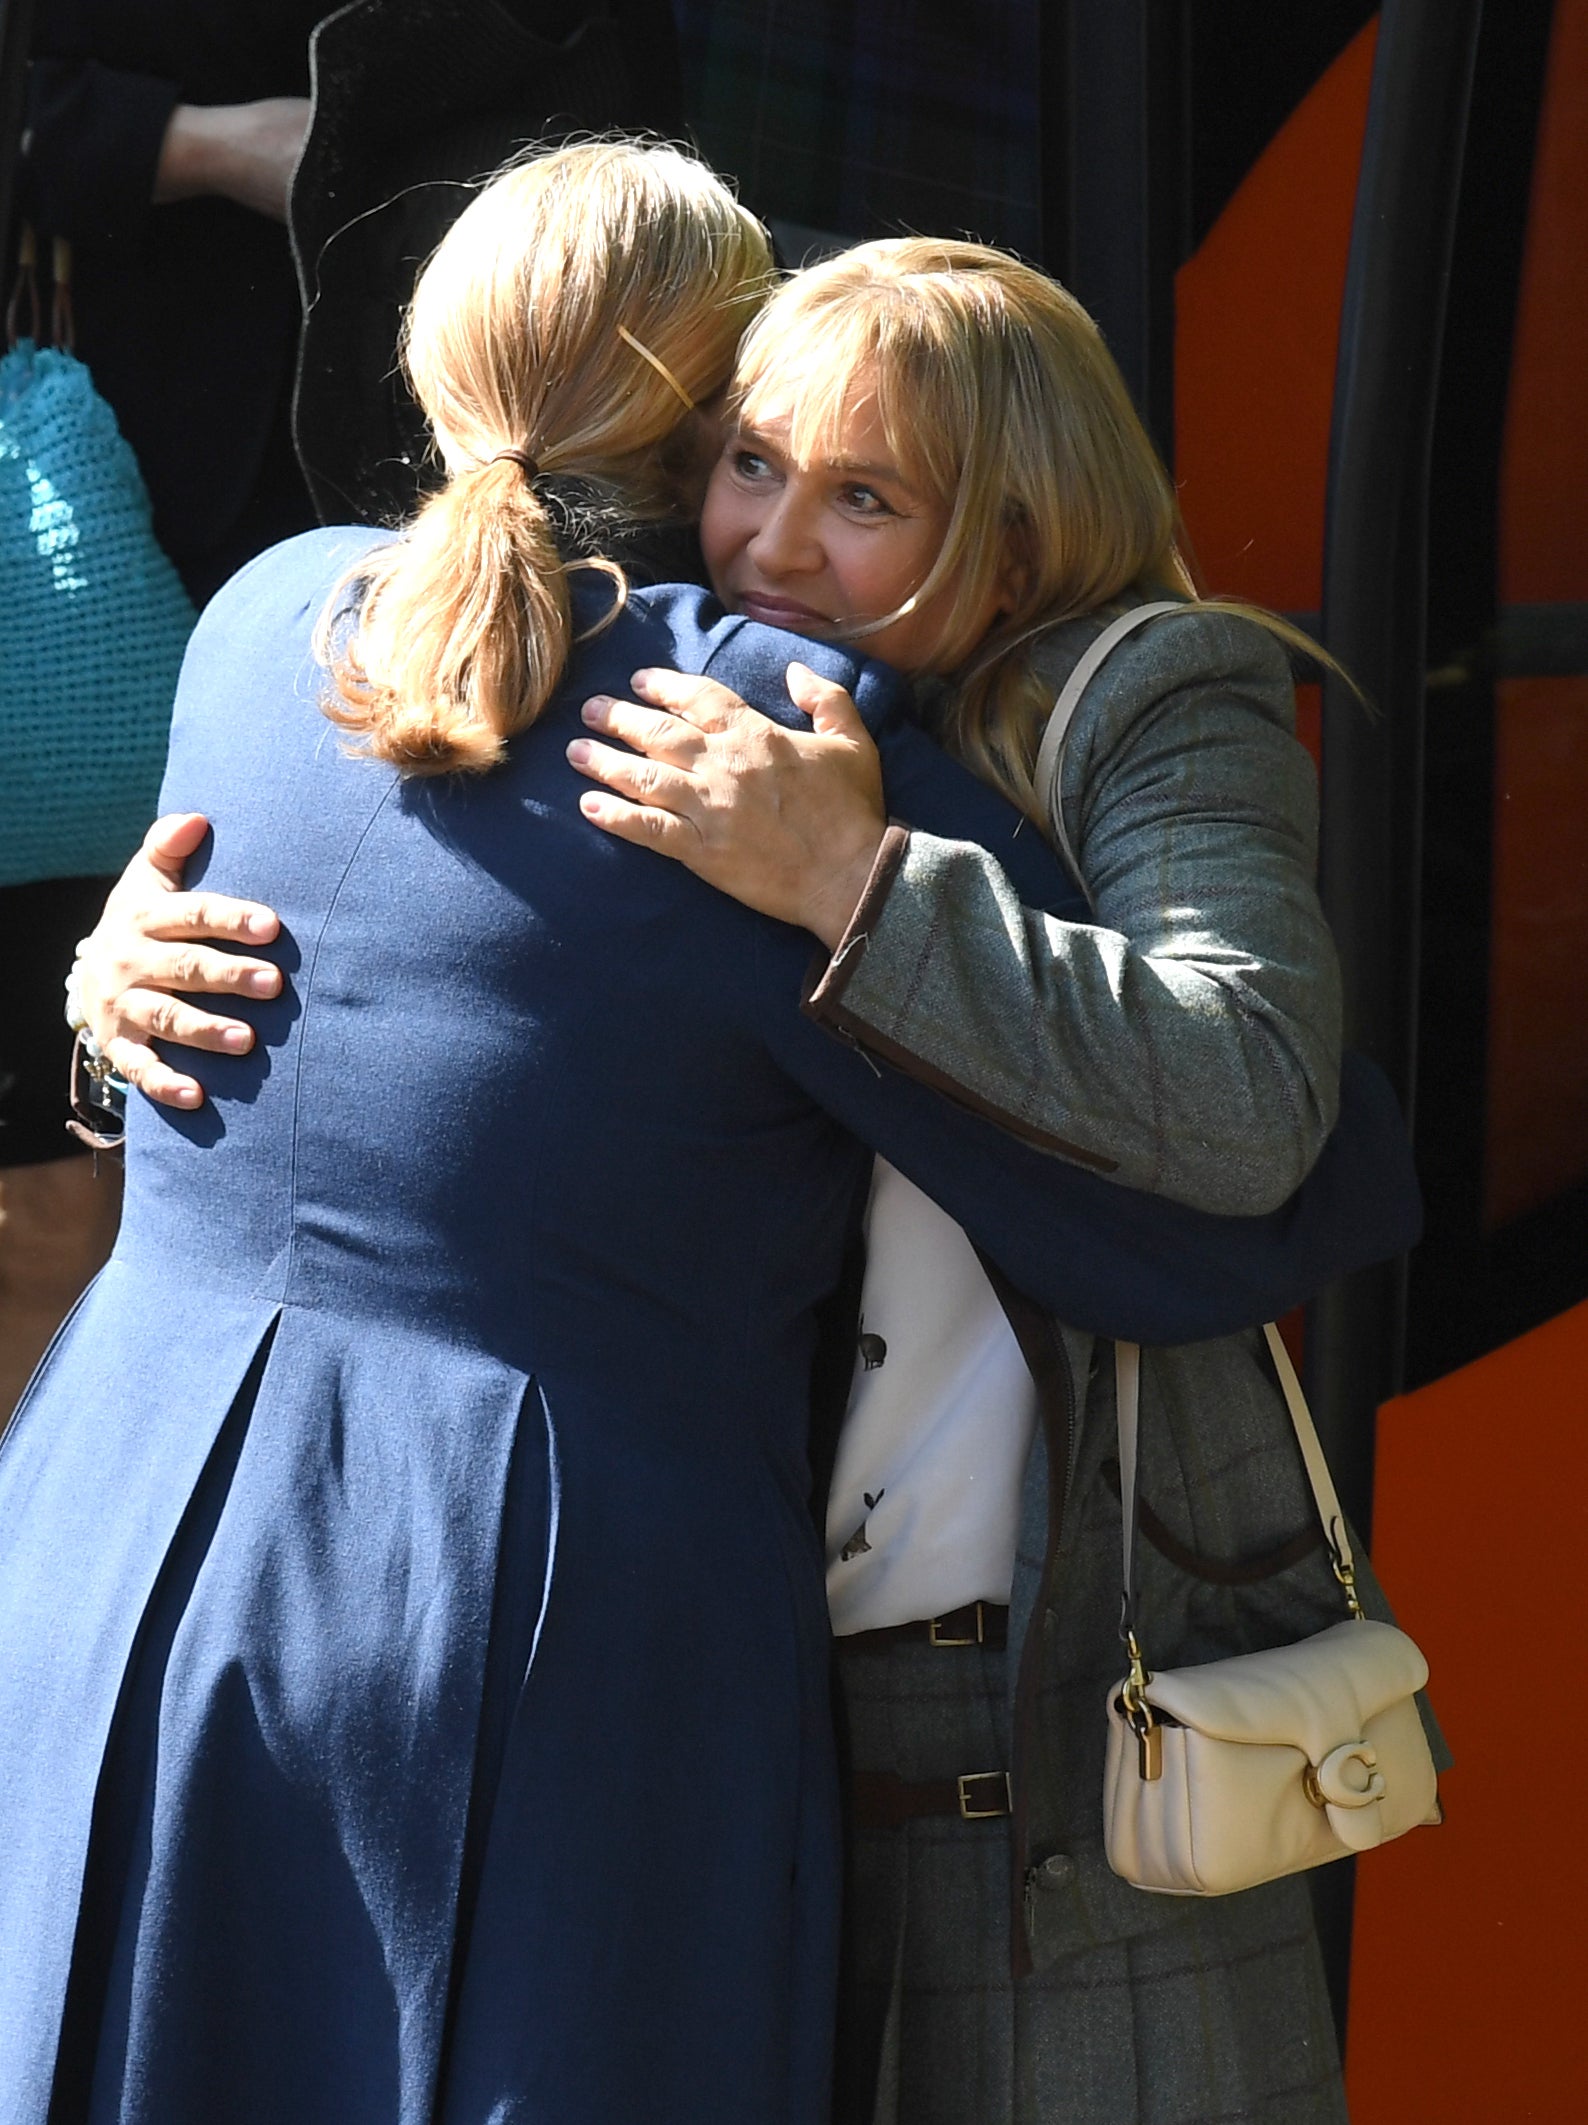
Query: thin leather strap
x=1216 y=1571
x=878 y=1800
x=1312 y=1453
x=1127 y=1411
x=1051 y=751
x=1127 y=1416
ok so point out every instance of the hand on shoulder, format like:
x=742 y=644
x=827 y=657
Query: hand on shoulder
x=787 y=821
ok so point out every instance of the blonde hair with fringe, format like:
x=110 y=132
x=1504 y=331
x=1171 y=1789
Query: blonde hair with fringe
x=445 y=643
x=999 y=399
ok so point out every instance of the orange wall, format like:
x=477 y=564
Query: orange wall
x=1257 y=313
x=1469 y=1965
x=1538 y=981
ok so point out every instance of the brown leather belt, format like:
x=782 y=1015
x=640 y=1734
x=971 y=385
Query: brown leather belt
x=882 y=1802
x=978 y=1623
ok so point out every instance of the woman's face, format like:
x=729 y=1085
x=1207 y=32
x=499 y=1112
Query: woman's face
x=820 y=548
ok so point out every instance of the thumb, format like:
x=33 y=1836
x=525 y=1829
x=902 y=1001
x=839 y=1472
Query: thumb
x=171 y=840
x=830 y=708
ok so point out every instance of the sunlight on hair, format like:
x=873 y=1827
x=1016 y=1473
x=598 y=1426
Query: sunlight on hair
x=1001 y=402
x=519 y=345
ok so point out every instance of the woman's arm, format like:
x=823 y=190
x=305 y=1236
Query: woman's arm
x=104 y=146
x=1115 y=1260
x=1192 y=1029
x=1186 y=1040
x=1111 y=1259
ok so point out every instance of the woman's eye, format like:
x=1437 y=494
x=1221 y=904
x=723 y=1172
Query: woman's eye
x=749 y=464
x=865 y=501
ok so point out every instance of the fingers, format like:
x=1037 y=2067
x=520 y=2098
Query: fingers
x=702 y=702
x=151 y=889
x=642 y=824
x=830 y=708
x=201 y=915
x=140 y=1066
x=196 y=970
x=650 y=731
x=631 y=775
x=150 y=1014
x=171 y=840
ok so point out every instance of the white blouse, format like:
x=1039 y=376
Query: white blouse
x=925 y=1500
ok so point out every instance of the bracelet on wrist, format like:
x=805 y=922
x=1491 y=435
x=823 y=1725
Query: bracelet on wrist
x=76 y=1016
x=97 y=1093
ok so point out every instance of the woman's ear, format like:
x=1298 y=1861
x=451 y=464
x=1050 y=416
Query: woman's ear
x=1012 y=584
x=691 y=451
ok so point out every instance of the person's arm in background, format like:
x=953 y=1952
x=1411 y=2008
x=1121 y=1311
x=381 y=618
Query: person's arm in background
x=103 y=148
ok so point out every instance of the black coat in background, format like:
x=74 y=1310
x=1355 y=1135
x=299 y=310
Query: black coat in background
x=414 y=102
x=190 y=315
x=187 y=314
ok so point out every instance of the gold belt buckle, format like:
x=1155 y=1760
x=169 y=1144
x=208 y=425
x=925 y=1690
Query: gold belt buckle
x=967 y=1779
x=935 y=1636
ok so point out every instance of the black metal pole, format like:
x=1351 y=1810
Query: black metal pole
x=1375 y=621
x=16 y=38
x=1116 y=192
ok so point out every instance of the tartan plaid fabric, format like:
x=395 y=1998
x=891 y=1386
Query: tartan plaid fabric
x=872 y=117
x=1141 y=2008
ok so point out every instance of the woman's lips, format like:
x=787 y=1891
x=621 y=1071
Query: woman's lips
x=780 y=612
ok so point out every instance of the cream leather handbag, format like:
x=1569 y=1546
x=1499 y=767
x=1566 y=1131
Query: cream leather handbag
x=1222 y=1776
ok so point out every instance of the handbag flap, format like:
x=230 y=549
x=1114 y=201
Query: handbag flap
x=1313 y=1694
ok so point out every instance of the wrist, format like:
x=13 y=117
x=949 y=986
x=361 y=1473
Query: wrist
x=843 y=890
x=76 y=1013
x=188 y=156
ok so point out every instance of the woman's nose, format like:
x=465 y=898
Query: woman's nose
x=783 y=543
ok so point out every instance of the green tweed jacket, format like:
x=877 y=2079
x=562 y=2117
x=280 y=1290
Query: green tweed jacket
x=1188 y=1037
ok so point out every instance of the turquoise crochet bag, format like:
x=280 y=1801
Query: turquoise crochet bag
x=93 y=623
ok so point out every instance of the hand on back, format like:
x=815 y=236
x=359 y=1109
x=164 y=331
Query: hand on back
x=148 y=951
x=787 y=821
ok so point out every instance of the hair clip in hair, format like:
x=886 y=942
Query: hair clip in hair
x=658 y=365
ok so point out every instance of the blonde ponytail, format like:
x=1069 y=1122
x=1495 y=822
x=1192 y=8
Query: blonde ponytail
x=572 y=316
x=464 y=629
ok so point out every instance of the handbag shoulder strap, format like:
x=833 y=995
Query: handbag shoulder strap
x=1050 y=754
x=1127 y=1409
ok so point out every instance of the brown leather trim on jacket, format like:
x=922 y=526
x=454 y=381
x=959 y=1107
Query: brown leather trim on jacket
x=1218 y=1571
x=823 y=1001
x=826 y=992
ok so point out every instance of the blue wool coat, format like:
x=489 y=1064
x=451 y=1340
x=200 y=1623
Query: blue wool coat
x=414 y=1692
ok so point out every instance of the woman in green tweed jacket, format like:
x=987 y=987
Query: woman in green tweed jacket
x=1185 y=1039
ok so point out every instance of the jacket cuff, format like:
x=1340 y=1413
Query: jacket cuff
x=824 y=1000
x=824 y=989
x=92 y=148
